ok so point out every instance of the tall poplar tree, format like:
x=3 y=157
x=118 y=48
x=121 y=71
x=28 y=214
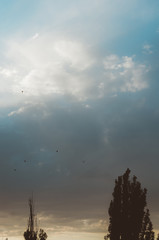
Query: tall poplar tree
x=128 y=217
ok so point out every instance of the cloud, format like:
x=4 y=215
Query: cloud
x=35 y=36
x=147 y=49
x=63 y=224
x=123 y=75
x=46 y=65
x=73 y=187
x=30 y=105
x=19 y=111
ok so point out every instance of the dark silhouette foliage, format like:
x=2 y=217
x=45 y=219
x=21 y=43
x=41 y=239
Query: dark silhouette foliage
x=129 y=220
x=31 y=233
x=28 y=235
x=42 y=235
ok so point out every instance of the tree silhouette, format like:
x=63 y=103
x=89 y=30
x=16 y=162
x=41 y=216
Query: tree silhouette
x=129 y=220
x=29 y=235
x=42 y=235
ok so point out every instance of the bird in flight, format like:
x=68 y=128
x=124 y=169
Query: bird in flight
x=57 y=150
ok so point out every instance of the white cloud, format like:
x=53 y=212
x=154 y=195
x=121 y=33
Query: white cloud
x=45 y=65
x=147 y=49
x=36 y=35
x=28 y=106
x=74 y=54
x=19 y=111
x=48 y=65
x=123 y=75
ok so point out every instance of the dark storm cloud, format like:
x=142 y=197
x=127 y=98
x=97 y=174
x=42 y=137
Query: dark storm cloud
x=94 y=145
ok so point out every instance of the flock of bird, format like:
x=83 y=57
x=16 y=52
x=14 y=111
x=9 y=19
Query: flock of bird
x=25 y=161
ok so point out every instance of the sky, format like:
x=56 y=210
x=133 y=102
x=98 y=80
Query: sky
x=80 y=77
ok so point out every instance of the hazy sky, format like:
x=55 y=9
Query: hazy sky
x=80 y=76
